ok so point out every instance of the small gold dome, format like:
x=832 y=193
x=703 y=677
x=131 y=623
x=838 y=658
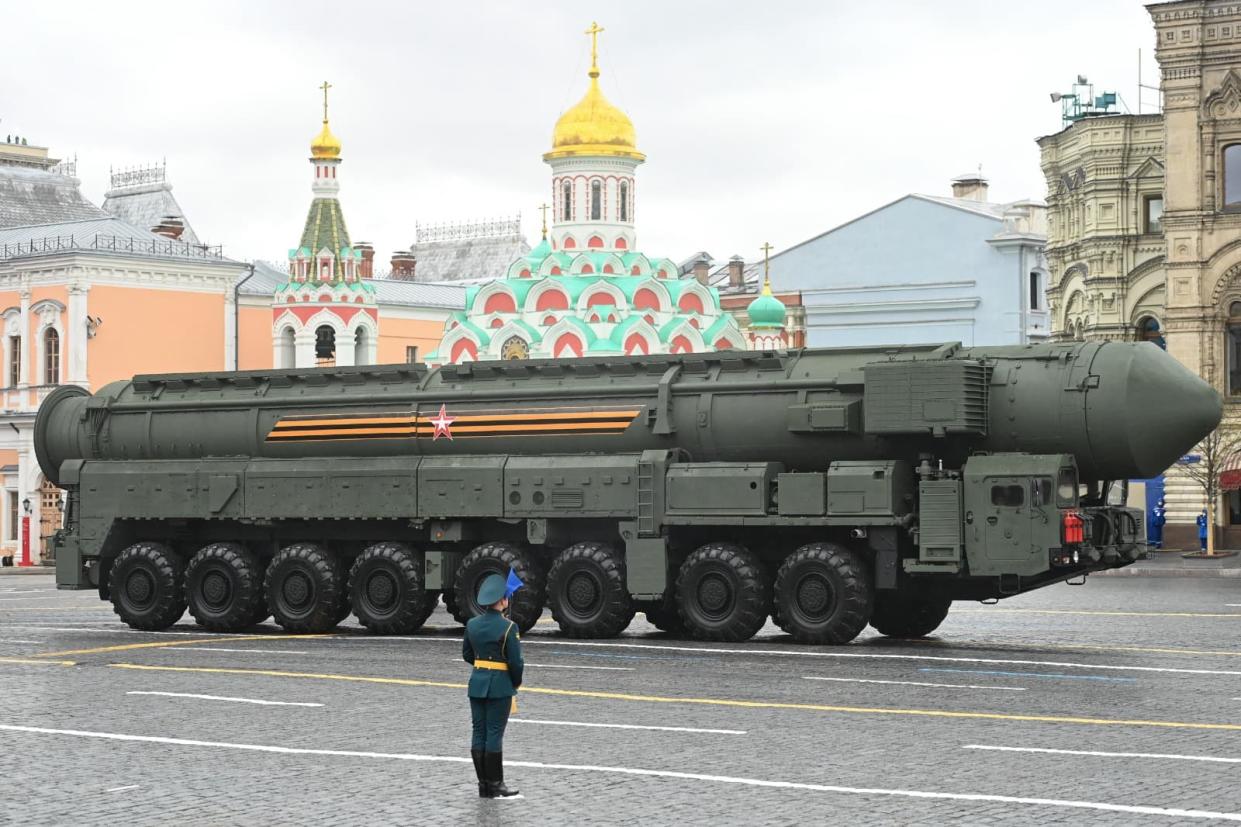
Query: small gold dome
x=325 y=144
x=593 y=126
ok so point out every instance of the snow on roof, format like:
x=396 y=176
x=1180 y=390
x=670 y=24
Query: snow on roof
x=36 y=196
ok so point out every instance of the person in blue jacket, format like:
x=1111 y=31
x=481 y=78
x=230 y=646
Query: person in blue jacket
x=493 y=647
x=1159 y=517
x=1202 y=530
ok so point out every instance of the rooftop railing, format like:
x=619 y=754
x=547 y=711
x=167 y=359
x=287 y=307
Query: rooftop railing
x=50 y=245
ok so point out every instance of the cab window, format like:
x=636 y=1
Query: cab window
x=1042 y=488
x=1007 y=495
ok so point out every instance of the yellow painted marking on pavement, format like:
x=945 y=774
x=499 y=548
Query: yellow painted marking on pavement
x=99 y=650
x=39 y=662
x=620 y=696
x=1236 y=615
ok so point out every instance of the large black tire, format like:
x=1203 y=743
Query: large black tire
x=663 y=616
x=146 y=584
x=900 y=614
x=526 y=604
x=305 y=588
x=224 y=587
x=823 y=594
x=428 y=607
x=587 y=592
x=723 y=593
x=385 y=589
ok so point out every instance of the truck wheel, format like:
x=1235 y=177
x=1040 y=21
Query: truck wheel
x=823 y=594
x=722 y=593
x=428 y=607
x=145 y=583
x=587 y=591
x=497 y=558
x=224 y=587
x=899 y=614
x=385 y=589
x=305 y=588
x=664 y=617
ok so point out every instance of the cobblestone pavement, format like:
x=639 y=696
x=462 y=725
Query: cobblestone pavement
x=987 y=722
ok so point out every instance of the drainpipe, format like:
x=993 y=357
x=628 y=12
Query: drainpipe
x=237 y=317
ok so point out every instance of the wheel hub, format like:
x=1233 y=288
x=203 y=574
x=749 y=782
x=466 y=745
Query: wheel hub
x=582 y=592
x=381 y=590
x=215 y=589
x=139 y=587
x=815 y=596
x=714 y=595
x=297 y=590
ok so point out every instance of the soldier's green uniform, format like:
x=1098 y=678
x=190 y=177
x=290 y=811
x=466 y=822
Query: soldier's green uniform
x=493 y=647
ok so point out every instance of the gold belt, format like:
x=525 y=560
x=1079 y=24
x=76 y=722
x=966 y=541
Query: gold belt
x=497 y=665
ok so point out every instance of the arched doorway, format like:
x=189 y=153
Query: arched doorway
x=51 y=517
x=1148 y=330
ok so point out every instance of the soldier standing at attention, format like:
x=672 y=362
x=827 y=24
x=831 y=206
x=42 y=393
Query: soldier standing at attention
x=493 y=647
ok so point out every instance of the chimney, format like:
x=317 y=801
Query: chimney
x=170 y=226
x=970 y=187
x=368 y=259
x=701 y=269
x=403 y=263
x=736 y=273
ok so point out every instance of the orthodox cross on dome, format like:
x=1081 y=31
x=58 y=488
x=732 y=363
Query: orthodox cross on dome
x=326 y=86
x=543 y=208
x=593 y=31
x=766 y=248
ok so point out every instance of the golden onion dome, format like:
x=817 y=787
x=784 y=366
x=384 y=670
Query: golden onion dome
x=593 y=126
x=325 y=144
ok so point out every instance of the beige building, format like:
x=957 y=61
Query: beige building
x=1145 y=222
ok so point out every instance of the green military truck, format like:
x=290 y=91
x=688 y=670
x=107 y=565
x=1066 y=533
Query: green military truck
x=827 y=489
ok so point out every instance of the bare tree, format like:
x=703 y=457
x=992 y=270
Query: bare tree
x=1212 y=453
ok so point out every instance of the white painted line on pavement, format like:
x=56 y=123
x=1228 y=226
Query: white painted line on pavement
x=916 y=683
x=1172 y=812
x=791 y=653
x=121 y=789
x=591 y=668
x=45 y=596
x=223 y=698
x=512 y=720
x=188 y=649
x=1095 y=754
x=16 y=640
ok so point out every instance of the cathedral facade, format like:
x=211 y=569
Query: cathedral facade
x=587 y=289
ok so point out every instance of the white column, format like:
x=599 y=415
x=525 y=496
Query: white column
x=76 y=339
x=27 y=344
x=304 y=349
x=346 y=348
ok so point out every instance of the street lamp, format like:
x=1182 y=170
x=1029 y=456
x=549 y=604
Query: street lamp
x=26 y=505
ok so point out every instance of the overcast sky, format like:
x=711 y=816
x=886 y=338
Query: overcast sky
x=760 y=121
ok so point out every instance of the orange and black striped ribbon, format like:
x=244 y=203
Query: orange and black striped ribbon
x=465 y=424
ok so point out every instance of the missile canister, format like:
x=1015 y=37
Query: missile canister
x=1123 y=410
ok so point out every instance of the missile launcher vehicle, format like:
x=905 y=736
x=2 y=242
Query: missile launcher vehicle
x=826 y=489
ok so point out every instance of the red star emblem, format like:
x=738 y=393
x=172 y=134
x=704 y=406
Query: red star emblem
x=442 y=424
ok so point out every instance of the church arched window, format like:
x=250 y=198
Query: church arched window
x=624 y=200
x=325 y=346
x=1233 y=346
x=566 y=200
x=51 y=357
x=596 y=200
x=1148 y=330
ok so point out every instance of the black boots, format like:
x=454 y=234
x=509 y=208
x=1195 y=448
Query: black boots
x=493 y=770
x=484 y=790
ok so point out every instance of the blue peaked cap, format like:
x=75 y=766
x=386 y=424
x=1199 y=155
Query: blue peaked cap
x=512 y=584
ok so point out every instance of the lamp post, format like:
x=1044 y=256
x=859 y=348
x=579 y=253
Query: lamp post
x=25 y=550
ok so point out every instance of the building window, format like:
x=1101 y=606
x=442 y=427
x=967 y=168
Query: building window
x=566 y=200
x=596 y=200
x=1232 y=176
x=1152 y=218
x=1036 y=290
x=411 y=354
x=1233 y=344
x=325 y=347
x=13 y=512
x=1148 y=331
x=15 y=360
x=624 y=201
x=51 y=357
